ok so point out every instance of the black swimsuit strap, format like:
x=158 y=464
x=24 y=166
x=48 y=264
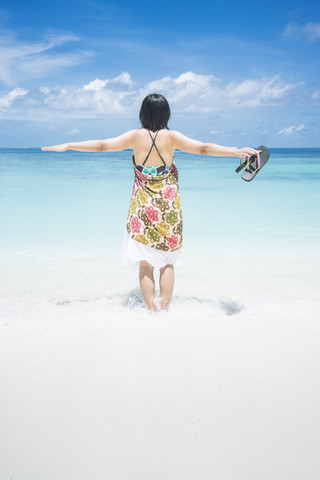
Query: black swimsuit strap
x=153 y=145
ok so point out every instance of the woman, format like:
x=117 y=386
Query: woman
x=154 y=224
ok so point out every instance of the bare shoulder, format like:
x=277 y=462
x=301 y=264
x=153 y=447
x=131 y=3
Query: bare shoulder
x=186 y=144
x=131 y=137
x=177 y=136
x=133 y=134
x=121 y=142
x=172 y=136
x=137 y=134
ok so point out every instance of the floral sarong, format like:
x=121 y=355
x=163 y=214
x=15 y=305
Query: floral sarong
x=155 y=214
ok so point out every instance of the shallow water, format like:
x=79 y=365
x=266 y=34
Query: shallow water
x=248 y=247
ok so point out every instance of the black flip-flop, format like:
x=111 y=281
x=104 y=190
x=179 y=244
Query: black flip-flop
x=254 y=163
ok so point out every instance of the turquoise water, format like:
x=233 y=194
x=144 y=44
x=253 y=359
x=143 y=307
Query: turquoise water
x=80 y=200
x=56 y=207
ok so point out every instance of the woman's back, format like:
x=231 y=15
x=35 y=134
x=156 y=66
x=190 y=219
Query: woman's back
x=143 y=144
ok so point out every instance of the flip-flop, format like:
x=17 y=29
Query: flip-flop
x=254 y=163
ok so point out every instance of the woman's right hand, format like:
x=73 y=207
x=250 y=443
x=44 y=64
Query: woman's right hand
x=56 y=148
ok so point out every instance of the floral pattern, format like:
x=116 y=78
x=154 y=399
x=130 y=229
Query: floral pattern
x=135 y=225
x=134 y=206
x=153 y=235
x=155 y=214
x=143 y=197
x=173 y=241
x=161 y=204
x=172 y=217
x=164 y=229
x=152 y=213
x=148 y=169
x=170 y=193
x=177 y=203
x=142 y=239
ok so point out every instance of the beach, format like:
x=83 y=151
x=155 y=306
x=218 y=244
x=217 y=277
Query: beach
x=223 y=386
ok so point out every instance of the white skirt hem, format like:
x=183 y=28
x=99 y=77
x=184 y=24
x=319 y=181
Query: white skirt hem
x=134 y=252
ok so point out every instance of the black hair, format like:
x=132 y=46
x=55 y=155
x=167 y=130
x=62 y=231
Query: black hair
x=154 y=112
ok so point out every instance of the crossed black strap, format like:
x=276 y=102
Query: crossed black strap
x=154 y=145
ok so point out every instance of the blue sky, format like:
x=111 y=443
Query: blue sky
x=235 y=74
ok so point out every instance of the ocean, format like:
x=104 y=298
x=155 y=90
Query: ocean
x=223 y=386
x=248 y=246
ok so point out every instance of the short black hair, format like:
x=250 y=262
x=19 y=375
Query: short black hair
x=154 y=112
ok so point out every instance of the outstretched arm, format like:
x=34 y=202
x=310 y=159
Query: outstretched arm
x=109 y=145
x=189 y=145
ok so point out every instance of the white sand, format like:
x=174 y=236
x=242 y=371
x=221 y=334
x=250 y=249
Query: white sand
x=160 y=398
x=224 y=387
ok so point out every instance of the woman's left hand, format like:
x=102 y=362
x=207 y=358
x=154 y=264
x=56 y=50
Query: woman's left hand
x=245 y=152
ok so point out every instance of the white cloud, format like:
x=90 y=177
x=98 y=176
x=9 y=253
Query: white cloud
x=258 y=92
x=21 y=60
x=310 y=31
x=315 y=95
x=214 y=132
x=7 y=100
x=97 y=84
x=73 y=131
x=204 y=93
x=188 y=92
x=99 y=98
x=124 y=79
x=291 y=130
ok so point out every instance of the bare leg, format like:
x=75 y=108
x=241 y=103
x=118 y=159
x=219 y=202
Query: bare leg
x=166 y=285
x=147 y=284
